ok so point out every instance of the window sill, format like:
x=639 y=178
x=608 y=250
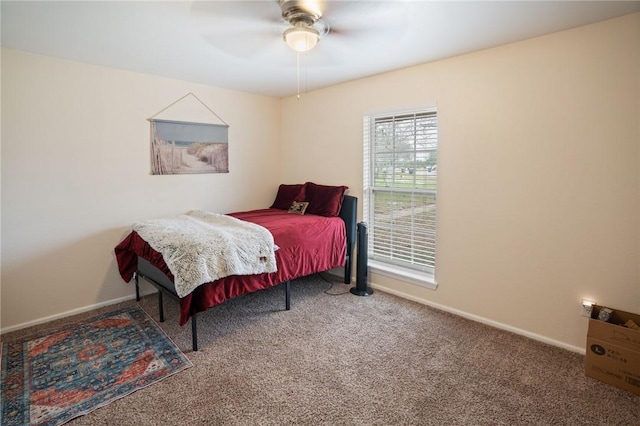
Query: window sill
x=421 y=279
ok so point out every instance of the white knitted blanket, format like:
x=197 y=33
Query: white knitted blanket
x=200 y=247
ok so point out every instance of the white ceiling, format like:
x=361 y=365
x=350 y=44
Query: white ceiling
x=238 y=45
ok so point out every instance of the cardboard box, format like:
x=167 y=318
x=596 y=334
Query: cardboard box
x=613 y=351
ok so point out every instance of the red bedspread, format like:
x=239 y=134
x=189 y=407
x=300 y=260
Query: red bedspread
x=307 y=244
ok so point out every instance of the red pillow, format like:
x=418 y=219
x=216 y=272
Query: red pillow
x=287 y=194
x=324 y=200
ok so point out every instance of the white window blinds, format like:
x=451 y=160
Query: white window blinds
x=400 y=189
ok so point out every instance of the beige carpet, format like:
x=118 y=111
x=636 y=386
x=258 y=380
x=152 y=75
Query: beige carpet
x=349 y=360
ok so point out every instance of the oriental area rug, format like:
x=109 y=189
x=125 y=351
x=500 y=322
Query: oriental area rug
x=54 y=376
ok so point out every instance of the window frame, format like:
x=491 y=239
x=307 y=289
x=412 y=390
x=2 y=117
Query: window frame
x=422 y=276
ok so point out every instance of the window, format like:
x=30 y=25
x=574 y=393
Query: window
x=400 y=188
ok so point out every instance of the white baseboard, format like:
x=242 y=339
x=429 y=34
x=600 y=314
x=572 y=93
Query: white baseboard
x=72 y=312
x=457 y=312
x=482 y=320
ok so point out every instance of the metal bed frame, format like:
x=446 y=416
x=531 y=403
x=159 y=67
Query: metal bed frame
x=160 y=281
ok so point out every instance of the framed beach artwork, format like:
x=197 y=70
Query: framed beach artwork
x=181 y=147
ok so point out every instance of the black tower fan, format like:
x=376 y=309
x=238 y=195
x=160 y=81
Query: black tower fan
x=361 y=288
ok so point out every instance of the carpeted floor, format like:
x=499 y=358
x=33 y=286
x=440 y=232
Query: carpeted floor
x=348 y=360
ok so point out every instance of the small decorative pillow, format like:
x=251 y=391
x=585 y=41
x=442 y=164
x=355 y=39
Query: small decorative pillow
x=298 y=207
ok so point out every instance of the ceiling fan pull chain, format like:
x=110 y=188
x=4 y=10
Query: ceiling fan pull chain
x=298 y=72
x=306 y=73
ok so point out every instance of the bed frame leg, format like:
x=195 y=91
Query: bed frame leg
x=194 y=333
x=287 y=296
x=160 y=306
x=347 y=269
x=135 y=275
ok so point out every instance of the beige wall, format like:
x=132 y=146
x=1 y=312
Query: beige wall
x=75 y=174
x=539 y=174
x=539 y=182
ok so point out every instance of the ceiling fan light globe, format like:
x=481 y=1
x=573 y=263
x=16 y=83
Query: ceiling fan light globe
x=301 y=39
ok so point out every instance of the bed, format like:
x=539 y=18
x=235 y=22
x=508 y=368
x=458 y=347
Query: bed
x=313 y=228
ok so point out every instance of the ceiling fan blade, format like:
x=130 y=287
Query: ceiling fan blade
x=247 y=11
x=360 y=29
x=243 y=45
x=367 y=38
x=244 y=29
x=345 y=16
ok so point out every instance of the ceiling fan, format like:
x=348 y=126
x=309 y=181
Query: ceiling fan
x=257 y=28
